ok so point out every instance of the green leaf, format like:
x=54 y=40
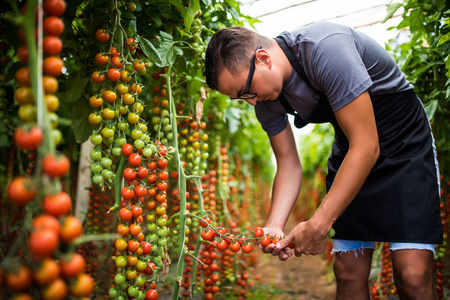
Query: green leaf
x=232 y=115
x=430 y=108
x=149 y=50
x=76 y=88
x=391 y=9
x=188 y=13
x=156 y=19
x=440 y=5
x=166 y=49
x=445 y=38
x=81 y=127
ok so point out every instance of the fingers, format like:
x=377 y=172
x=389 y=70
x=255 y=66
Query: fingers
x=284 y=254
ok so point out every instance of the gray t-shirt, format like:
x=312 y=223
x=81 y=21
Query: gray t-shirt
x=339 y=62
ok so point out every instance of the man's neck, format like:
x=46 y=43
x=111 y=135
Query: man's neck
x=282 y=61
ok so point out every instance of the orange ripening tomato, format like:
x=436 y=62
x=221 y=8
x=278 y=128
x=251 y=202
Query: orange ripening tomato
x=21 y=190
x=53 y=66
x=71 y=229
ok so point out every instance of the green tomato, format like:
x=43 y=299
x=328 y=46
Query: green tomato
x=147 y=152
x=113 y=293
x=162 y=231
x=116 y=151
x=139 y=281
x=139 y=144
x=108 y=141
x=136 y=134
x=106 y=162
x=166 y=121
x=162 y=222
x=121 y=262
x=119 y=278
x=156 y=120
x=96 y=168
x=107 y=132
x=122 y=126
x=151 y=227
x=97 y=178
x=141 y=295
x=120 y=141
x=129 y=68
x=132 y=291
x=96 y=139
x=124 y=285
x=151 y=217
x=123 y=109
x=142 y=127
x=57 y=136
x=152 y=238
x=162 y=242
x=107 y=174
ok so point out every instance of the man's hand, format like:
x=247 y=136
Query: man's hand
x=308 y=239
x=283 y=254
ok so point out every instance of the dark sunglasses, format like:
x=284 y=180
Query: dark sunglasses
x=246 y=94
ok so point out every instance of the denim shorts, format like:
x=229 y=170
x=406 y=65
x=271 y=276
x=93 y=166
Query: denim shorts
x=348 y=245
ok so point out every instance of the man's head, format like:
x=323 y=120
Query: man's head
x=231 y=48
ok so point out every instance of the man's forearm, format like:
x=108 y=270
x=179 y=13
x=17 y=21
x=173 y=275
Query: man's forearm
x=286 y=187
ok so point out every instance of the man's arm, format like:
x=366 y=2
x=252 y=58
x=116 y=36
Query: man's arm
x=288 y=178
x=286 y=187
x=357 y=120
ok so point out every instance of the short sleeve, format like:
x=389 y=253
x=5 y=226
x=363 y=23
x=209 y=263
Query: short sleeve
x=336 y=68
x=272 y=116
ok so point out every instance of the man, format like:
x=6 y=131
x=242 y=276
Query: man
x=382 y=182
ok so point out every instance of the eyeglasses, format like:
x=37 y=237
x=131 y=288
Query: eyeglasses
x=246 y=94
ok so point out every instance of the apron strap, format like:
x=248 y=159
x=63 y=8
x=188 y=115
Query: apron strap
x=298 y=121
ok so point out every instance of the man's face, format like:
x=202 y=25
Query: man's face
x=264 y=83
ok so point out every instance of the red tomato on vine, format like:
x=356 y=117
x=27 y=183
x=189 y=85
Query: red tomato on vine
x=28 y=139
x=55 y=166
x=57 y=205
x=151 y=295
x=53 y=26
x=72 y=265
x=54 y=7
x=43 y=243
x=134 y=159
x=101 y=36
x=265 y=241
x=247 y=248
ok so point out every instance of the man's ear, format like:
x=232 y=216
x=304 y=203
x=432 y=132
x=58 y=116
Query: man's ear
x=262 y=57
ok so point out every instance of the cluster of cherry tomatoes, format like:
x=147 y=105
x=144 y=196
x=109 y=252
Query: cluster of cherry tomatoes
x=53 y=270
x=52 y=67
x=117 y=107
x=442 y=249
x=384 y=284
x=138 y=256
